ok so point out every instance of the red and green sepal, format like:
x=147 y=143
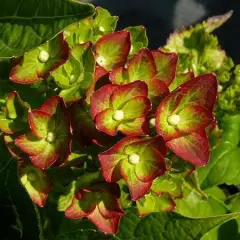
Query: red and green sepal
x=37 y=64
x=138 y=160
x=193 y=148
x=13 y=118
x=121 y=108
x=50 y=138
x=36 y=183
x=142 y=66
x=112 y=49
x=183 y=115
x=100 y=204
x=166 y=66
x=187 y=109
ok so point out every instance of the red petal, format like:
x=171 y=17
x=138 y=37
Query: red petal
x=128 y=91
x=80 y=208
x=100 y=100
x=42 y=154
x=107 y=225
x=166 y=65
x=106 y=123
x=157 y=91
x=119 y=76
x=51 y=104
x=142 y=66
x=207 y=86
x=113 y=48
x=39 y=122
x=135 y=127
x=110 y=159
x=136 y=187
x=193 y=148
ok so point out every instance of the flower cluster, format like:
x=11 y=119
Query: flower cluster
x=116 y=108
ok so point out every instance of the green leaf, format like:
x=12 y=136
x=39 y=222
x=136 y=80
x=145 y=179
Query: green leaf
x=153 y=203
x=85 y=235
x=171 y=226
x=139 y=38
x=193 y=205
x=27 y=24
x=224 y=163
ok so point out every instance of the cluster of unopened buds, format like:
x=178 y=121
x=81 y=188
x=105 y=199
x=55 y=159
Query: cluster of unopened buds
x=134 y=107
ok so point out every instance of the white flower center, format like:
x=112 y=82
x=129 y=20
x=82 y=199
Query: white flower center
x=118 y=115
x=174 y=119
x=43 y=56
x=51 y=137
x=102 y=29
x=100 y=60
x=133 y=158
x=152 y=122
x=73 y=78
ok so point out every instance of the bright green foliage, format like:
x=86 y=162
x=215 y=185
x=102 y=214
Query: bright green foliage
x=169 y=226
x=76 y=75
x=153 y=203
x=139 y=38
x=199 y=51
x=27 y=24
x=224 y=165
x=92 y=28
x=85 y=235
x=229 y=98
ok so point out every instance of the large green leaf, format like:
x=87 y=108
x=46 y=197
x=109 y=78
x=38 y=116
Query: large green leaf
x=85 y=235
x=224 y=164
x=27 y=24
x=169 y=226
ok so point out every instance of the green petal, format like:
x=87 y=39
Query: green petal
x=112 y=49
x=136 y=107
x=136 y=187
x=105 y=122
x=139 y=38
x=36 y=183
x=41 y=123
x=30 y=69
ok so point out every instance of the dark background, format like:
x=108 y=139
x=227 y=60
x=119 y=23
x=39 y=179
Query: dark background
x=161 y=17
